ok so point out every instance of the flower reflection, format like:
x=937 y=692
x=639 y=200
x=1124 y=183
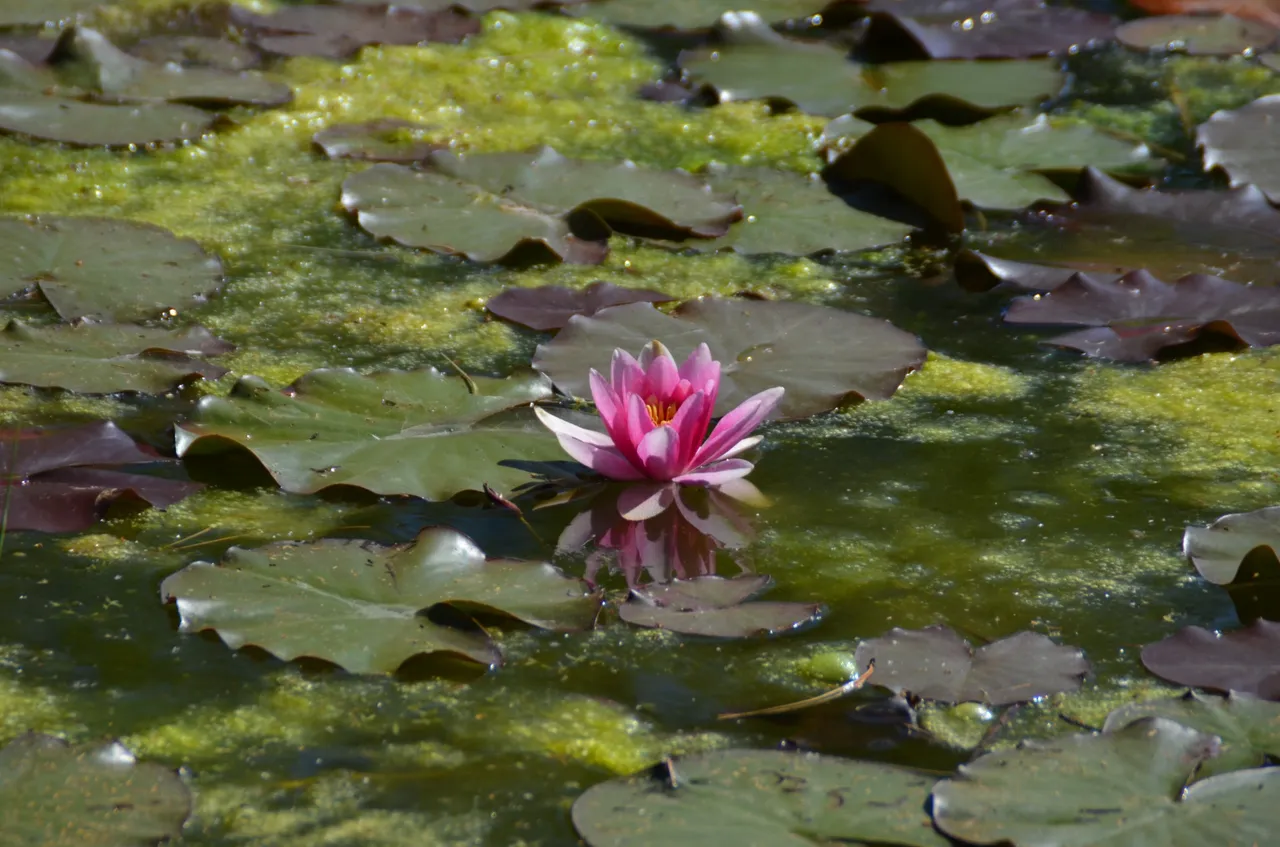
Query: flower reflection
x=663 y=532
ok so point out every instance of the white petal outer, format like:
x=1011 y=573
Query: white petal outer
x=559 y=427
x=742 y=446
x=716 y=473
x=593 y=449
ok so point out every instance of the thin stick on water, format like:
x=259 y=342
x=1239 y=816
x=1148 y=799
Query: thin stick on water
x=10 y=481
x=835 y=694
x=472 y=388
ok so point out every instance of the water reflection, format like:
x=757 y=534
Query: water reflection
x=659 y=532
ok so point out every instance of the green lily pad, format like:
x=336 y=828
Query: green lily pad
x=97 y=124
x=1249 y=728
x=747 y=620
x=96 y=795
x=104 y=268
x=118 y=76
x=703 y=14
x=1199 y=35
x=202 y=51
x=795 y=215
x=359 y=604
x=757 y=64
x=416 y=433
x=1218 y=550
x=764 y=798
x=1122 y=787
x=821 y=356
x=999 y=163
x=37 y=12
x=384 y=140
x=107 y=358
x=1245 y=143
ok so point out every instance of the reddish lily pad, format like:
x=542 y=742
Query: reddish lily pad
x=981 y=29
x=1199 y=35
x=1245 y=660
x=937 y=664
x=1122 y=787
x=338 y=31
x=1244 y=143
x=1137 y=317
x=821 y=356
x=94 y=795
x=384 y=140
x=63 y=480
x=104 y=268
x=107 y=358
x=360 y=605
x=551 y=306
x=1263 y=11
x=979 y=272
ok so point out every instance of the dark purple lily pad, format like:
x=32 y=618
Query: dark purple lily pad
x=1245 y=660
x=747 y=620
x=1137 y=317
x=30 y=48
x=980 y=29
x=1199 y=35
x=823 y=357
x=551 y=306
x=384 y=140
x=979 y=272
x=938 y=664
x=63 y=480
x=338 y=31
x=700 y=16
x=1243 y=142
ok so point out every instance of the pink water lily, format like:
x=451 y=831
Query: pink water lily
x=656 y=417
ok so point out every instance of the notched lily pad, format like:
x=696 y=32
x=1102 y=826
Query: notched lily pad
x=1122 y=787
x=416 y=433
x=383 y=140
x=1244 y=143
x=716 y=607
x=551 y=306
x=1248 y=728
x=104 y=268
x=107 y=358
x=362 y=605
x=1218 y=550
x=1199 y=35
x=96 y=795
x=339 y=31
x=1245 y=660
x=1137 y=317
x=821 y=356
x=760 y=797
x=65 y=479
x=938 y=664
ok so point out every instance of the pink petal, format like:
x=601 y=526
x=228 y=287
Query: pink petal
x=700 y=368
x=642 y=502
x=659 y=453
x=661 y=379
x=593 y=449
x=691 y=423
x=608 y=404
x=625 y=374
x=559 y=427
x=653 y=351
x=737 y=425
x=639 y=424
x=716 y=473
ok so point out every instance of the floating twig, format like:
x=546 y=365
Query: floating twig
x=835 y=694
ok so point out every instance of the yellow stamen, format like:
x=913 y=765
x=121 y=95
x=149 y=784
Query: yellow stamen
x=658 y=413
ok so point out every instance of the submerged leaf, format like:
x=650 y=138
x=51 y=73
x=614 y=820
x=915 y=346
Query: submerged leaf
x=360 y=604
x=104 y=268
x=759 y=797
x=1245 y=660
x=937 y=664
x=551 y=306
x=1243 y=142
x=416 y=433
x=95 y=795
x=821 y=356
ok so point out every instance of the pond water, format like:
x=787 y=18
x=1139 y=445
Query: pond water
x=1007 y=486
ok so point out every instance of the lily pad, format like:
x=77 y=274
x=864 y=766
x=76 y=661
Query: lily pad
x=104 y=268
x=757 y=64
x=703 y=14
x=821 y=356
x=339 y=31
x=434 y=212
x=979 y=272
x=416 y=433
x=1137 y=317
x=46 y=484
x=1113 y=228
x=384 y=140
x=1245 y=660
x=1248 y=728
x=475 y=7
x=1245 y=143
x=200 y=51
x=96 y=795
x=107 y=358
x=746 y=620
x=38 y=12
x=98 y=124
x=1255 y=10
x=1218 y=550
x=762 y=798
x=551 y=306
x=1199 y=35
x=30 y=48
x=937 y=664
x=999 y=163
x=981 y=29
x=360 y=605
x=1123 y=787
x=118 y=76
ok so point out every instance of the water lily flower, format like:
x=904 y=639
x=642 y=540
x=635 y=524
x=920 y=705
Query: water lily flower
x=656 y=415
